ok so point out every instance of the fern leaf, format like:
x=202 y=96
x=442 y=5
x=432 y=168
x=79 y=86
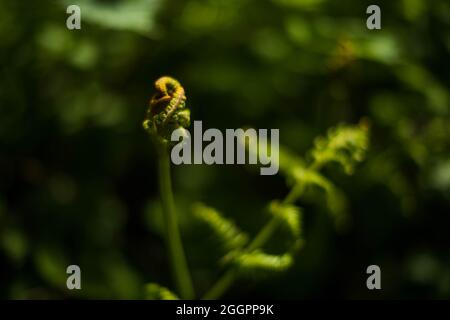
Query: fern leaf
x=289 y=214
x=258 y=261
x=227 y=232
x=343 y=144
x=154 y=291
x=334 y=198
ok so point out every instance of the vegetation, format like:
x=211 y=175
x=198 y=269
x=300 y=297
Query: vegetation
x=344 y=145
x=79 y=179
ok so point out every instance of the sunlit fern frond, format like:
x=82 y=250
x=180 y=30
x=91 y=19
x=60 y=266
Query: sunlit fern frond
x=154 y=291
x=344 y=144
x=227 y=232
x=289 y=214
x=256 y=262
x=335 y=200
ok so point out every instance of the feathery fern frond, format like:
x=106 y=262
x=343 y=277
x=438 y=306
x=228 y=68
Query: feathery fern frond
x=289 y=214
x=227 y=232
x=154 y=291
x=257 y=261
x=306 y=178
x=343 y=144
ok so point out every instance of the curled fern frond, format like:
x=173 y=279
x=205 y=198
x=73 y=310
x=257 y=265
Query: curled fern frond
x=343 y=144
x=226 y=231
x=258 y=261
x=167 y=109
x=154 y=291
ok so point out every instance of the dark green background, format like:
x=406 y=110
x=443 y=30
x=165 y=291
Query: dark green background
x=78 y=180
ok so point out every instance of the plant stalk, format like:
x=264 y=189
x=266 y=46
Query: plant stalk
x=174 y=245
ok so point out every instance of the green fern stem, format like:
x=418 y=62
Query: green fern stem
x=172 y=234
x=221 y=285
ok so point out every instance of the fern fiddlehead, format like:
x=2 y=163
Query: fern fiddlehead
x=167 y=112
x=167 y=109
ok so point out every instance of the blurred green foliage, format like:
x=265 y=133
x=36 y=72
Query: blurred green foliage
x=77 y=172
